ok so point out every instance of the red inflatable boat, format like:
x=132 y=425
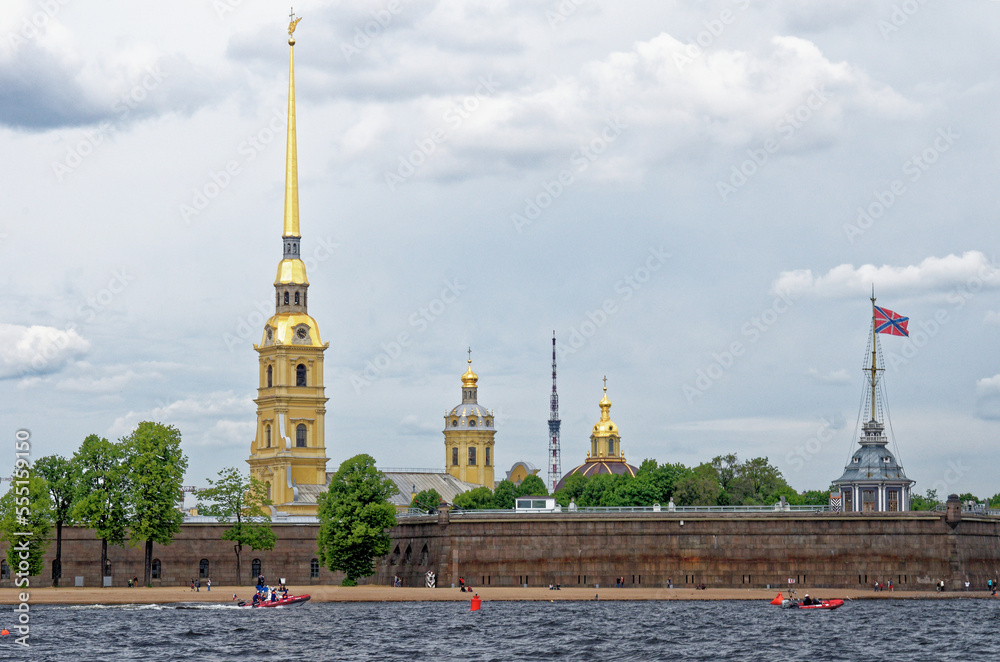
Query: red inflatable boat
x=281 y=602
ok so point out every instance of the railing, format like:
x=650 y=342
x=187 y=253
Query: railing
x=411 y=512
x=661 y=509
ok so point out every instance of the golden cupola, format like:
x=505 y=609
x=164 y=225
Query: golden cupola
x=469 y=435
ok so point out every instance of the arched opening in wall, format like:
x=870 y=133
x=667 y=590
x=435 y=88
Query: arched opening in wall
x=107 y=568
x=268 y=486
x=156 y=569
x=300 y=375
x=267 y=436
x=286 y=298
x=300 y=435
x=611 y=447
x=203 y=569
x=270 y=376
x=394 y=558
x=314 y=569
x=255 y=568
x=4 y=569
x=425 y=556
x=472 y=457
x=407 y=556
x=487 y=456
x=296 y=298
x=454 y=457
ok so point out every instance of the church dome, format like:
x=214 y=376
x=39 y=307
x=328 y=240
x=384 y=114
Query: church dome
x=469 y=414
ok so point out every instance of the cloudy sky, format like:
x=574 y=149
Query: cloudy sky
x=696 y=196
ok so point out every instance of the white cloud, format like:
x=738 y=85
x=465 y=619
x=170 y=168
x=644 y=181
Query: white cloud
x=26 y=350
x=992 y=317
x=932 y=274
x=221 y=418
x=833 y=377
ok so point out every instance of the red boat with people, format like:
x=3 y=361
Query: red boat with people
x=280 y=602
x=806 y=603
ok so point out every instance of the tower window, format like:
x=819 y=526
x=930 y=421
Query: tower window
x=267 y=436
x=300 y=435
x=487 y=456
x=270 y=376
x=472 y=423
x=296 y=298
x=611 y=446
x=454 y=424
x=300 y=375
x=286 y=298
x=454 y=457
x=472 y=457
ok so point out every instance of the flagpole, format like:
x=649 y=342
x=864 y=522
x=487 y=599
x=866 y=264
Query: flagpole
x=874 y=348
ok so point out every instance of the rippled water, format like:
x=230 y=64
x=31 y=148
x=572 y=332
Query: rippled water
x=943 y=630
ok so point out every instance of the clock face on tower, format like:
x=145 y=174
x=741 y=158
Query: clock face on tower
x=301 y=334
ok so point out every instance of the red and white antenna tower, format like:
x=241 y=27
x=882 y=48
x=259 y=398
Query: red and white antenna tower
x=555 y=462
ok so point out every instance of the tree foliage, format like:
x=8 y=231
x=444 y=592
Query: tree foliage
x=155 y=466
x=531 y=486
x=25 y=523
x=927 y=502
x=241 y=501
x=480 y=498
x=503 y=495
x=428 y=500
x=355 y=515
x=103 y=488
x=61 y=478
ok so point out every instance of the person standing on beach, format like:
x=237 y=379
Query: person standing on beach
x=208 y=582
x=192 y=584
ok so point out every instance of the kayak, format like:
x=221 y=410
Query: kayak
x=823 y=604
x=281 y=602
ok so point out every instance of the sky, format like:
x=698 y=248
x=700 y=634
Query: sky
x=697 y=197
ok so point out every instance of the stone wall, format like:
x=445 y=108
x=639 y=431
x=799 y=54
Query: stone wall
x=843 y=550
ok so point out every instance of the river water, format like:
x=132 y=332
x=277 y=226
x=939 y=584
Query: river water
x=939 y=630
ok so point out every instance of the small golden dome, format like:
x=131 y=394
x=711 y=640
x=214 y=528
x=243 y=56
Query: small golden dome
x=605 y=427
x=470 y=378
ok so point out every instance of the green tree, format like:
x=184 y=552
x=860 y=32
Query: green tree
x=756 y=482
x=25 y=523
x=354 y=517
x=531 y=486
x=60 y=476
x=995 y=501
x=156 y=466
x=599 y=491
x=480 y=498
x=572 y=490
x=428 y=500
x=700 y=488
x=927 y=502
x=503 y=495
x=241 y=501
x=103 y=490
x=639 y=491
x=969 y=496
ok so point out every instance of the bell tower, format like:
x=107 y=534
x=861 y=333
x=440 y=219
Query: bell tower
x=289 y=448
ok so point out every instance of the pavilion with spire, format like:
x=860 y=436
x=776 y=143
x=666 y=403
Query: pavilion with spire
x=873 y=481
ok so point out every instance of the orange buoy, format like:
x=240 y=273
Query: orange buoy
x=4 y=632
x=475 y=603
x=777 y=600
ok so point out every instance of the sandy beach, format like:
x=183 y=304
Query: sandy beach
x=85 y=596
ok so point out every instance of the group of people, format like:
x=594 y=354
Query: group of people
x=465 y=587
x=265 y=593
x=196 y=584
x=133 y=583
x=811 y=601
x=619 y=582
x=881 y=586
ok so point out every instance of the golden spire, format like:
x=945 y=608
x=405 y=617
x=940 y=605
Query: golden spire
x=291 y=158
x=470 y=378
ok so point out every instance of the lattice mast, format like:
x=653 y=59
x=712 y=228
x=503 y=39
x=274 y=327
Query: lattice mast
x=555 y=461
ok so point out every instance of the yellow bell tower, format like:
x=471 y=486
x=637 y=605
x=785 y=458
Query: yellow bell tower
x=468 y=436
x=289 y=449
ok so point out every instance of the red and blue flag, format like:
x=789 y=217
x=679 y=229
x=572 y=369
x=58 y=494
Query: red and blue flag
x=889 y=322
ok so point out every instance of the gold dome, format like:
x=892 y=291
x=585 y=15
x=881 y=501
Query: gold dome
x=470 y=378
x=291 y=271
x=605 y=427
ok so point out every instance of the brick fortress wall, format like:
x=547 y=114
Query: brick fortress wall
x=914 y=549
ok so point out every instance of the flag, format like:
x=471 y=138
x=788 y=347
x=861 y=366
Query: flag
x=889 y=322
